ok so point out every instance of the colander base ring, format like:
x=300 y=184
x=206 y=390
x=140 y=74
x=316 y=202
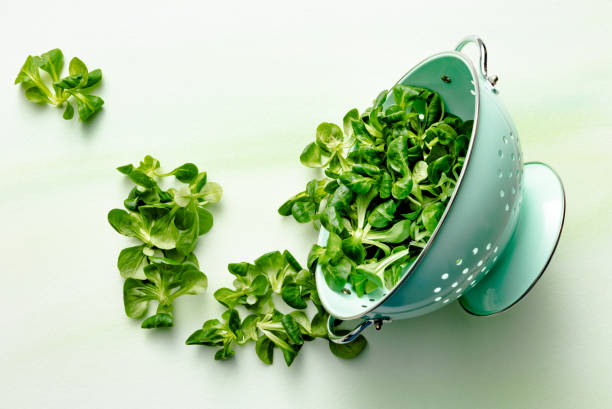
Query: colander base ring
x=530 y=249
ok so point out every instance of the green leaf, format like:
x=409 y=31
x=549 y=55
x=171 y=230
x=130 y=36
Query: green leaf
x=230 y=298
x=211 y=192
x=303 y=212
x=208 y=335
x=274 y=266
x=136 y=297
x=364 y=282
x=350 y=350
x=318 y=325
x=360 y=132
x=435 y=109
x=431 y=216
x=357 y=183
x=369 y=154
x=149 y=164
x=164 y=232
x=216 y=333
x=199 y=182
x=292 y=261
x=302 y=319
x=141 y=178
x=385 y=186
x=233 y=320
x=78 y=67
x=286 y=208
x=205 y=221
x=293 y=295
x=292 y=329
x=402 y=187
x=87 y=105
x=419 y=173
x=438 y=167
x=397 y=155
x=336 y=276
x=354 y=249
x=289 y=355
x=398 y=233
x=131 y=262
x=265 y=350
x=153 y=212
x=183 y=196
x=165 y=282
x=189 y=231
x=93 y=78
x=186 y=173
x=69 y=111
x=224 y=353
x=29 y=75
x=341 y=198
x=347 y=121
x=311 y=156
x=331 y=220
x=69 y=83
x=383 y=214
x=329 y=137
x=126 y=169
x=34 y=94
x=128 y=224
x=161 y=320
x=366 y=169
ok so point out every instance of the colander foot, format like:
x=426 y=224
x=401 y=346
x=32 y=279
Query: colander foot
x=530 y=249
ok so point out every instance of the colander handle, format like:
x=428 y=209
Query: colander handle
x=483 y=56
x=346 y=338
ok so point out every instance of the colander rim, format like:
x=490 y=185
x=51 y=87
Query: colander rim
x=425 y=250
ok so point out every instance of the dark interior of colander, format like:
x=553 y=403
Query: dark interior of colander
x=450 y=75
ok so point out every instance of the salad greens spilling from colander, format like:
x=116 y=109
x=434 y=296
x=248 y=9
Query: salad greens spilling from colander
x=260 y=290
x=389 y=174
x=167 y=225
x=68 y=91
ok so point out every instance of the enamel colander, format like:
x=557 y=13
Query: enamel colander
x=499 y=229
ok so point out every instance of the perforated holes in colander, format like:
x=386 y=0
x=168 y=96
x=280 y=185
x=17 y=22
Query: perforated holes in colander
x=500 y=173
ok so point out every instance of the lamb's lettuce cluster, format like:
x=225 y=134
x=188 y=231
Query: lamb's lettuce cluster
x=168 y=224
x=389 y=174
x=73 y=89
x=275 y=281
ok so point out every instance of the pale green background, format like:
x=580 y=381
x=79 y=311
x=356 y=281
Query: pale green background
x=239 y=90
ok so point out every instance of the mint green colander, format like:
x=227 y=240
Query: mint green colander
x=501 y=225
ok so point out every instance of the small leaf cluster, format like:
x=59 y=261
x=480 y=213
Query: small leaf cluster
x=257 y=291
x=389 y=174
x=167 y=223
x=75 y=88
